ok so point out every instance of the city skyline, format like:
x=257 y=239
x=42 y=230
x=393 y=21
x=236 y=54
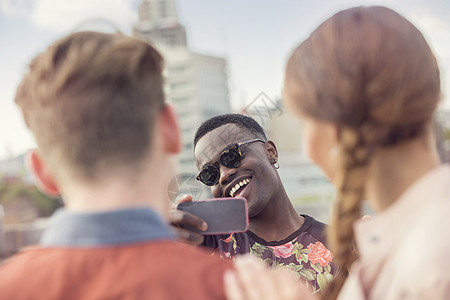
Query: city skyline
x=196 y=84
x=255 y=37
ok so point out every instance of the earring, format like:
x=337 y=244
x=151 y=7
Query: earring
x=276 y=165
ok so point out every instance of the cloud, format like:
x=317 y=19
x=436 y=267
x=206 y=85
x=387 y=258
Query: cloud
x=14 y=137
x=16 y=7
x=63 y=15
x=66 y=15
x=431 y=24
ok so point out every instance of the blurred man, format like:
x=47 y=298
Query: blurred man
x=95 y=105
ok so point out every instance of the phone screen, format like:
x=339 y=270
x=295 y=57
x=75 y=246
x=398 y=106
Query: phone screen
x=223 y=215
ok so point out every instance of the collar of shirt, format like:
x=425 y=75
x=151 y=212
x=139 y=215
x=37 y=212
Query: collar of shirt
x=376 y=234
x=110 y=228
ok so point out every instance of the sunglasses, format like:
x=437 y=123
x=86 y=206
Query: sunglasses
x=231 y=158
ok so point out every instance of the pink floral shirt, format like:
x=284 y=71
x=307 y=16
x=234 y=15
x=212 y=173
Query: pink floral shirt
x=404 y=250
x=303 y=251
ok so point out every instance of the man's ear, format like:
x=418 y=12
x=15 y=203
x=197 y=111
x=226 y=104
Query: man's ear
x=271 y=151
x=170 y=130
x=44 y=179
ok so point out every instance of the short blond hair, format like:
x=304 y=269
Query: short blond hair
x=90 y=101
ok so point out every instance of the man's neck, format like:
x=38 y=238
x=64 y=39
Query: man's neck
x=117 y=192
x=278 y=220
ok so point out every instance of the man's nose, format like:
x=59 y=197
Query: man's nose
x=226 y=174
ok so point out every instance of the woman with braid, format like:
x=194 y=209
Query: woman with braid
x=366 y=85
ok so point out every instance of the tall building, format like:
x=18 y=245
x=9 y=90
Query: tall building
x=197 y=84
x=198 y=90
x=303 y=180
x=158 y=22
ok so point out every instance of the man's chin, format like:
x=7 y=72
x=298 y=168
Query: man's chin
x=253 y=212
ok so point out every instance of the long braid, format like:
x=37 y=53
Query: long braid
x=352 y=173
x=357 y=72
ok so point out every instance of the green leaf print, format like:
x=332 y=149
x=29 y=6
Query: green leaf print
x=255 y=253
x=307 y=274
x=258 y=249
x=268 y=261
x=259 y=246
x=234 y=243
x=328 y=277
x=297 y=247
x=295 y=267
x=327 y=269
x=304 y=251
x=321 y=280
x=275 y=263
x=318 y=268
x=292 y=267
x=298 y=256
x=304 y=257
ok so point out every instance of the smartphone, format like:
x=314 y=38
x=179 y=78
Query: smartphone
x=223 y=215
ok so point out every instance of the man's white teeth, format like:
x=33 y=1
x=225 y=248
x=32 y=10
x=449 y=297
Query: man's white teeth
x=238 y=186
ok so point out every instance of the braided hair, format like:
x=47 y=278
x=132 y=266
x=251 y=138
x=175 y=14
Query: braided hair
x=369 y=72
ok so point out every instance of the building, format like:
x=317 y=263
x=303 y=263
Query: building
x=305 y=183
x=197 y=84
x=303 y=180
x=442 y=133
x=158 y=23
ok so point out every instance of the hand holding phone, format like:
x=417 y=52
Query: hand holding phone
x=223 y=215
x=180 y=220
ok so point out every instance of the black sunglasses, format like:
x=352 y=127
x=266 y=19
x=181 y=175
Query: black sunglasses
x=230 y=157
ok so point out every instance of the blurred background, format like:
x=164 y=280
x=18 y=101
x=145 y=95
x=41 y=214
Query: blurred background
x=221 y=57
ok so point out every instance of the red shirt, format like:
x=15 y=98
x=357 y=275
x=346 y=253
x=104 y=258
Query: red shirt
x=149 y=270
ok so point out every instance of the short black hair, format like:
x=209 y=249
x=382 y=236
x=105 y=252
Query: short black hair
x=241 y=121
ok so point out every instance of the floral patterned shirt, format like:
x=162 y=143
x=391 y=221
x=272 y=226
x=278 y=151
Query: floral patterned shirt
x=303 y=251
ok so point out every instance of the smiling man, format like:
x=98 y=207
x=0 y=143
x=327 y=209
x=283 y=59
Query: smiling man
x=235 y=158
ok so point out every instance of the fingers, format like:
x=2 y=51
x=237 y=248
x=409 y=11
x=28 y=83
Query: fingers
x=288 y=286
x=182 y=198
x=185 y=198
x=233 y=290
x=251 y=280
x=187 y=236
x=181 y=218
x=264 y=286
x=247 y=267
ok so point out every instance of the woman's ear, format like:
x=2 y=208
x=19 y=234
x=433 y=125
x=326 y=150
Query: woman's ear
x=44 y=179
x=336 y=133
x=271 y=151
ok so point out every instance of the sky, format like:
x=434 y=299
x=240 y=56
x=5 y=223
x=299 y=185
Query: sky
x=256 y=37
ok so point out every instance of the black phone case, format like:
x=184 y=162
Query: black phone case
x=223 y=215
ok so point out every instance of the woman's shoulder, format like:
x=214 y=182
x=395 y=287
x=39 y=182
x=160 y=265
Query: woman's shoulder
x=426 y=244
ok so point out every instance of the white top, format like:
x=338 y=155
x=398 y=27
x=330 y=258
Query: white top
x=405 y=250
